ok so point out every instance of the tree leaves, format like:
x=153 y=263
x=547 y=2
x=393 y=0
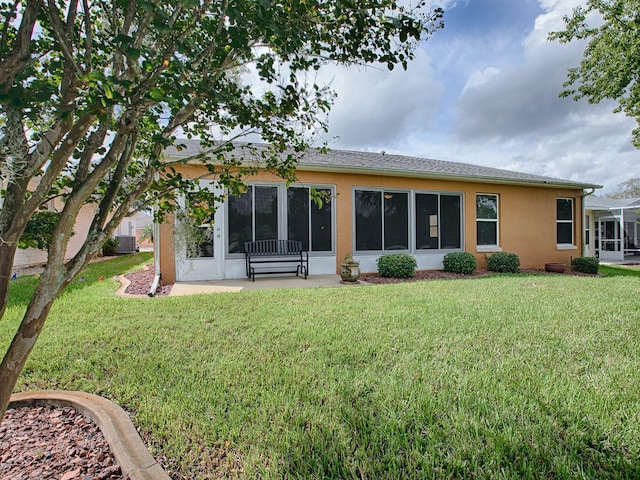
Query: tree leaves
x=609 y=69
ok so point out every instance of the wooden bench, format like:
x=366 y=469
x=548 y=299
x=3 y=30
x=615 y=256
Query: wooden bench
x=277 y=256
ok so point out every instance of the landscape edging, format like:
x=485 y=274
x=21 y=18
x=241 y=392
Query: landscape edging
x=127 y=447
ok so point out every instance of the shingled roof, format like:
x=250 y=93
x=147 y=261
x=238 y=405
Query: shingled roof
x=604 y=203
x=398 y=165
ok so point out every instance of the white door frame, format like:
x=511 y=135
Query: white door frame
x=617 y=254
x=205 y=268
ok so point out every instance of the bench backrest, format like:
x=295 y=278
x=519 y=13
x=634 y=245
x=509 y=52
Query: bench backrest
x=273 y=247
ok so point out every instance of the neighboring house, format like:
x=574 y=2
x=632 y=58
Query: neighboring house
x=612 y=232
x=127 y=233
x=381 y=203
x=33 y=256
x=143 y=219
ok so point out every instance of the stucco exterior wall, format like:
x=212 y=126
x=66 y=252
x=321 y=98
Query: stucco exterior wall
x=527 y=215
x=33 y=256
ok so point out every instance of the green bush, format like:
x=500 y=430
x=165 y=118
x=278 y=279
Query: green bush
x=504 y=262
x=585 y=265
x=396 y=265
x=110 y=247
x=460 y=262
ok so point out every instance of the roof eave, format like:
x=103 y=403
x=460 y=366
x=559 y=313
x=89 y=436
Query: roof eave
x=441 y=176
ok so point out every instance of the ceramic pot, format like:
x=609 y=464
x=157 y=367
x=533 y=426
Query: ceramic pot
x=555 y=267
x=349 y=272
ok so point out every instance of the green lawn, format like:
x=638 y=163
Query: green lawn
x=495 y=377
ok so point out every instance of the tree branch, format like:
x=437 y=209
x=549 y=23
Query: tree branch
x=19 y=57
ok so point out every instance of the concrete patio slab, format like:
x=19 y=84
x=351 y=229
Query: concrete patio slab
x=261 y=283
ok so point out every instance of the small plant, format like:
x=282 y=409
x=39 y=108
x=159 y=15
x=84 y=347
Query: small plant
x=147 y=233
x=348 y=259
x=396 y=265
x=460 y=262
x=585 y=265
x=110 y=247
x=504 y=262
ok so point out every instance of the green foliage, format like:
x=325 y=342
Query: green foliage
x=396 y=265
x=460 y=262
x=110 y=247
x=39 y=230
x=147 y=233
x=585 y=264
x=609 y=69
x=503 y=262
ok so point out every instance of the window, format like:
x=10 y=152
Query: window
x=564 y=221
x=438 y=221
x=259 y=214
x=308 y=221
x=587 y=231
x=253 y=216
x=486 y=219
x=382 y=220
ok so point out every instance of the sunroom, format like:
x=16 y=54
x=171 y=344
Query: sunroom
x=613 y=231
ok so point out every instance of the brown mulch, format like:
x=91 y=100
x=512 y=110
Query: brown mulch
x=141 y=283
x=442 y=275
x=54 y=443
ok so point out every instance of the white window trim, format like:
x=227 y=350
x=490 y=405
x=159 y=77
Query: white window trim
x=282 y=213
x=572 y=245
x=412 y=220
x=489 y=248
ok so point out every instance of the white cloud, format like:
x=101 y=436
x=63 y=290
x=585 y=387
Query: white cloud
x=376 y=107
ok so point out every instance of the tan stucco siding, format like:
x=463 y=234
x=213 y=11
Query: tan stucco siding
x=527 y=214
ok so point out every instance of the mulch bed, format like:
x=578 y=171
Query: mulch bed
x=141 y=283
x=54 y=443
x=442 y=275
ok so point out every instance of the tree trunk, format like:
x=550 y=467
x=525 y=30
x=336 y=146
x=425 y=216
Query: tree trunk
x=7 y=255
x=23 y=342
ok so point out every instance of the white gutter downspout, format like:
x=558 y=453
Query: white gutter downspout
x=156 y=252
x=584 y=240
x=156 y=258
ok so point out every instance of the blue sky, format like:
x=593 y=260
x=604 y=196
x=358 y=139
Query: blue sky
x=484 y=90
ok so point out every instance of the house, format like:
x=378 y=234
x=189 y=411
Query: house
x=32 y=256
x=612 y=232
x=377 y=203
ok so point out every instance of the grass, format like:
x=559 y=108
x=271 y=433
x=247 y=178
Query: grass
x=499 y=377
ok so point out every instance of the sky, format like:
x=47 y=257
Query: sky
x=484 y=90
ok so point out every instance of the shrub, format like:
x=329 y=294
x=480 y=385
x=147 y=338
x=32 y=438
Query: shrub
x=460 y=262
x=396 y=265
x=585 y=265
x=110 y=247
x=504 y=262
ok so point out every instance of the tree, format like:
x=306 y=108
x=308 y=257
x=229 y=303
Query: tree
x=609 y=68
x=627 y=189
x=92 y=92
